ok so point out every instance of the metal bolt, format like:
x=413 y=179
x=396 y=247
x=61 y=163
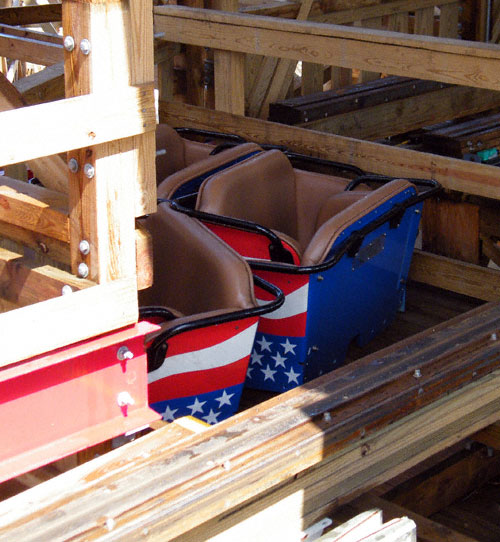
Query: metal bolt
x=85 y=46
x=124 y=353
x=417 y=373
x=83 y=270
x=315 y=348
x=73 y=165
x=494 y=337
x=69 y=43
x=66 y=289
x=320 y=278
x=417 y=211
x=124 y=399
x=84 y=247
x=89 y=170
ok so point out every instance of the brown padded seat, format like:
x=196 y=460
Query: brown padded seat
x=175 y=152
x=328 y=232
x=170 y=184
x=310 y=208
x=194 y=271
x=267 y=190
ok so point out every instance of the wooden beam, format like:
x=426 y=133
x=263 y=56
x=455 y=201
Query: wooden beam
x=43 y=86
x=19 y=208
x=456 y=276
x=402 y=116
x=64 y=320
x=428 y=530
x=50 y=170
x=302 y=441
x=94 y=119
x=489 y=436
x=30 y=50
x=22 y=284
x=449 y=61
x=454 y=174
x=31 y=14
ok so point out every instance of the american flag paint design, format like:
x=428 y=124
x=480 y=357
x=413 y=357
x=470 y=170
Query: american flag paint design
x=280 y=348
x=203 y=372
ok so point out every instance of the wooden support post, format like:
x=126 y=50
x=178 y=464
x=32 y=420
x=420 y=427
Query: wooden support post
x=424 y=21
x=100 y=201
x=229 y=72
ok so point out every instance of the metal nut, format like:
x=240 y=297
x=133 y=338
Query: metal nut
x=69 y=43
x=85 y=46
x=84 y=247
x=73 y=165
x=89 y=170
x=124 y=353
x=83 y=270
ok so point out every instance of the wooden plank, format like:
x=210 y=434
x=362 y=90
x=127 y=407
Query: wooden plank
x=448 y=20
x=95 y=119
x=447 y=483
x=456 y=276
x=22 y=284
x=20 y=207
x=67 y=319
x=428 y=530
x=401 y=116
x=424 y=21
x=283 y=70
x=449 y=61
x=454 y=174
x=30 y=50
x=451 y=229
x=186 y=489
x=489 y=436
x=30 y=14
x=356 y=528
x=43 y=86
x=373 y=23
x=50 y=170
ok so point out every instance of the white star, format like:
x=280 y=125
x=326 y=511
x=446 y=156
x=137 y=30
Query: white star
x=292 y=376
x=256 y=358
x=249 y=371
x=280 y=360
x=268 y=373
x=224 y=399
x=168 y=415
x=197 y=406
x=289 y=347
x=264 y=345
x=211 y=417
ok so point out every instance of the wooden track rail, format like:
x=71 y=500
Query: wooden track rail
x=316 y=446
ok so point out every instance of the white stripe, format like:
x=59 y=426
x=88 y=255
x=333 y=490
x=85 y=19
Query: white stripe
x=295 y=303
x=218 y=355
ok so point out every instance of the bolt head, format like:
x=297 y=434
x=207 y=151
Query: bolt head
x=89 y=170
x=69 y=43
x=85 y=46
x=83 y=270
x=66 y=289
x=124 y=399
x=124 y=353
x=73 y=165
x=84 y=247
x=417 y=373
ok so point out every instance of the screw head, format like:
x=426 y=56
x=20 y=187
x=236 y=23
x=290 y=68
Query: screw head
x=124 y=353
x=69 y=43
x=89 y=170
x=85 y=46
x=73 y=165
x=83 y=270
x=84 y=247
x=124 y=399
x=417 y=373
x=66 y=289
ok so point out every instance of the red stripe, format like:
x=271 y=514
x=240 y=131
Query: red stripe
x=206 y=337
x=194 y=383
x=293 y=326
x=287 y=282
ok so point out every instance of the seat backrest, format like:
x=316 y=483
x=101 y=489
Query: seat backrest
x=194 y=270
x=175 y=152
x=190 y=177
x=328 y=232
x=260 y=189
